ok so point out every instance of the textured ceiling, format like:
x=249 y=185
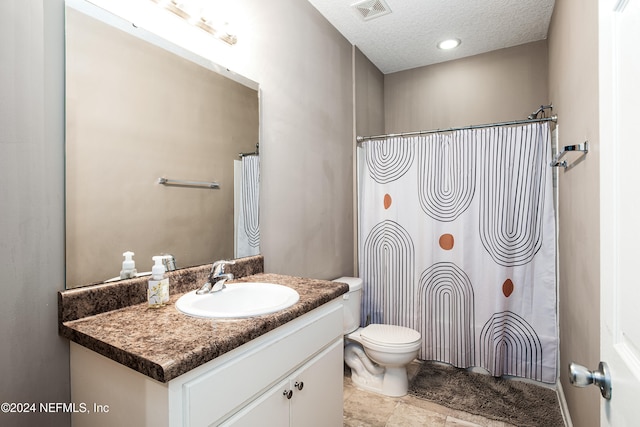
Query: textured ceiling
x=406 y=38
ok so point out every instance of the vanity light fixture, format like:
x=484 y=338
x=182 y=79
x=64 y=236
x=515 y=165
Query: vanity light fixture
x=181 y=9
x=449 y=44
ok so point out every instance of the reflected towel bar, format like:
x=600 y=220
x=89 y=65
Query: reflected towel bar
x=182 y=183
x=584 y=147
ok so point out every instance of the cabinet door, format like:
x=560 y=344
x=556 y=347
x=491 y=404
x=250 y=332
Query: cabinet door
x=269 y=410
x=234 y=380
x=317 y=390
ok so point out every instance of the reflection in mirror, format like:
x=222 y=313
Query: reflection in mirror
x=138 y=109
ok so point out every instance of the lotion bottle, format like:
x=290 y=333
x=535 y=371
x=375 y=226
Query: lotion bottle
x=128 y=266
x=158 y=291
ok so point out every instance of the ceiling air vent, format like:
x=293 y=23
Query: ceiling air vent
x=369 y=9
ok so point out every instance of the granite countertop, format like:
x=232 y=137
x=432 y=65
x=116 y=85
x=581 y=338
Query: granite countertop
x=163 y=343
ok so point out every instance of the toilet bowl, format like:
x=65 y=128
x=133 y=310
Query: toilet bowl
x=377 y=354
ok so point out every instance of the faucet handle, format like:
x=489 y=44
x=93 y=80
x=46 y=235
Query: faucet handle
x=218 y=266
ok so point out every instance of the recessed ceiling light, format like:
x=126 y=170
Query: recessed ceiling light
x=449 y=44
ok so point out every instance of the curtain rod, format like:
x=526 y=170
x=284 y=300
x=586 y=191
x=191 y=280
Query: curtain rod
x=254 y=153
x=553 y=118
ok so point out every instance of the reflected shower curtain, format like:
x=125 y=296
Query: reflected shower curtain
x=457 y=241
x=246 y=209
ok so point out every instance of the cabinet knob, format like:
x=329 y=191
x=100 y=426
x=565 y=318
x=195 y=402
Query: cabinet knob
x=288 y=394
x=299 y=385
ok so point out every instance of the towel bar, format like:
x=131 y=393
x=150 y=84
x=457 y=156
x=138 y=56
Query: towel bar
x=180 y=182
x=557 y=159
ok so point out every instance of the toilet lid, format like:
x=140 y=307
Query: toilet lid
x=389 y=334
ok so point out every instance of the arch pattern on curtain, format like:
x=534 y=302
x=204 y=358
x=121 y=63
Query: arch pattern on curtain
x=387 y=163
x=510 y=346
x=446 y=175
x=389 y=262
x=512 y=193
x=446 y=315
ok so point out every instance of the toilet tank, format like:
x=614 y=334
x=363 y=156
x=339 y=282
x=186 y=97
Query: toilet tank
x=351 y=303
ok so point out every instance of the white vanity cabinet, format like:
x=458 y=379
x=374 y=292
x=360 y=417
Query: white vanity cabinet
x=291 y=375
x=306 y=398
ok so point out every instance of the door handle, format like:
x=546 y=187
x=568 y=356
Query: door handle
x=580 y=376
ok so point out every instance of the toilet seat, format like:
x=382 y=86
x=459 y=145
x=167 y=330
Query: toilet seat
x=390 y=338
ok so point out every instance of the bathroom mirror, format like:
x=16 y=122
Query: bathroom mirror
x=138 y=109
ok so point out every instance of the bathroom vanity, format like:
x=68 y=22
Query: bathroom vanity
x=158 y=367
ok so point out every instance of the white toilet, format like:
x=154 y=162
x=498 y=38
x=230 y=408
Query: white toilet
x=377 y=354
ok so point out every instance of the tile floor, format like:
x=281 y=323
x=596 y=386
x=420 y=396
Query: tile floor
x=364 y=409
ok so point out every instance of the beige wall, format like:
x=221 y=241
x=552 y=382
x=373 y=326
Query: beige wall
x=369 y=117
x=136 y=112
x=573 y=87
x=369 y=96
x=34 y=360
x=306 y=196
x=503 y=85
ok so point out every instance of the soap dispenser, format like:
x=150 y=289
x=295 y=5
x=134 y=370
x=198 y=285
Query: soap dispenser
x=158 y=292
x=128 y=266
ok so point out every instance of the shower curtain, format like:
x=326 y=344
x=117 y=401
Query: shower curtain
x=247 y=195
x=457 y=241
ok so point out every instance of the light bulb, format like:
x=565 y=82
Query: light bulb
x=449 y=44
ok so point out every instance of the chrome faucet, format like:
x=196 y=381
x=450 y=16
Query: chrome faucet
x=217 y=278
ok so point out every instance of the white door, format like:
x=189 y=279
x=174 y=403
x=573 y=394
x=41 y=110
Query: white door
x=620 y=208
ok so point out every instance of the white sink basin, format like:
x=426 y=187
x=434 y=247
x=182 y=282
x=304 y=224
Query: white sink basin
x=239 y=300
